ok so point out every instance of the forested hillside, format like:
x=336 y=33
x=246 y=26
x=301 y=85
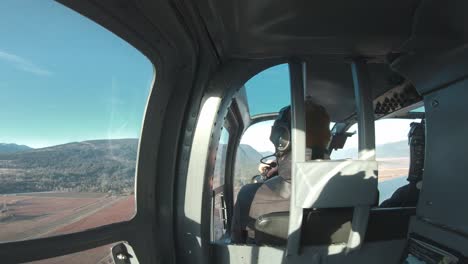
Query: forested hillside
x=89 y=166
x=98 y=165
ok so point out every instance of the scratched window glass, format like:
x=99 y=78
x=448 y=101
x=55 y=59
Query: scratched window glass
x=72 y=101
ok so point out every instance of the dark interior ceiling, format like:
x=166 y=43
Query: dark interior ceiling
x=277 y=28
x=330 y=33
x=267 y=28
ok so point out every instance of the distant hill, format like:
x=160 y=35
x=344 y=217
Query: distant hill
x=390 y=150
x=393 y=150
x=247 y=161
x=109 y=165
x=97 y=165
x=10 y=148
x=246 y=166
x=266 y=153
x=91 y=166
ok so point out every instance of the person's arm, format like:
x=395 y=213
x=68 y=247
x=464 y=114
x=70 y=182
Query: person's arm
x=398 y=198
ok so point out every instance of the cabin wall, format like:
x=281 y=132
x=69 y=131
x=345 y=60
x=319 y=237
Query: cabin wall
x=441 y=213
x=442 y=78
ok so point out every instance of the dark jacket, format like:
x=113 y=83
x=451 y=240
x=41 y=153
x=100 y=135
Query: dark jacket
x=258 y=199
x=405 y=196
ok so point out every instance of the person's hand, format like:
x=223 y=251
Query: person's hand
x=264 y=168
x=272 y=172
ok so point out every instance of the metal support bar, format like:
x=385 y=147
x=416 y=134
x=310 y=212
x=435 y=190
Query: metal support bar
x=297 y=78
x=364 y=109
x=234 y=128
x=365 y=114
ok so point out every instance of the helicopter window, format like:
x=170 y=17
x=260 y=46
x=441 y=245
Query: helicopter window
x=393 y=154
x=418 y=110
x=219 y=213
x=268 y=91
x=72 y=107
x=350 y=149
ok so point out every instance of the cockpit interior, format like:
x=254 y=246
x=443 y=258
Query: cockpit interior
x=393 y=79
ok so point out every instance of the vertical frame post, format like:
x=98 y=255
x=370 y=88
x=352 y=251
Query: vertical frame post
x=365 y=115
x=297 y=77
x=364 y=109
x=234 y=128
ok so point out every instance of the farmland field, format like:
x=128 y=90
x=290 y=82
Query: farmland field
x=35 y=215
x=390 y=168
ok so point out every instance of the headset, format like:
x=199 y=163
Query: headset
x=280 y=134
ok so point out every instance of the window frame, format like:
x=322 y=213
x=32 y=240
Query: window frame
x=220 y=190
x=234 y=126
x=194 y=194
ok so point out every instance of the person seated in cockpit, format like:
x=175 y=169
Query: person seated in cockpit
x=273 y=195
x=408 y=195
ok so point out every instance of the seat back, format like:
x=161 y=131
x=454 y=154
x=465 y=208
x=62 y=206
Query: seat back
x=333 y=225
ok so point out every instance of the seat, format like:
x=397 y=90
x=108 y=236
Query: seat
x=333 y=225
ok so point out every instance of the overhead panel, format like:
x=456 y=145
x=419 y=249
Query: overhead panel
x=246 y=28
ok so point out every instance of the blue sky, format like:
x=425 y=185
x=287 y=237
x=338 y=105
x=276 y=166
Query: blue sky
x=64 y=78
x=268 y=91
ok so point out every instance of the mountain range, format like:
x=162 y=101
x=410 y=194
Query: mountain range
x=96 y=165
x=11 y=147
x=91 y=166
x=399 y=149
x=109 y=165
x=246 y=166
